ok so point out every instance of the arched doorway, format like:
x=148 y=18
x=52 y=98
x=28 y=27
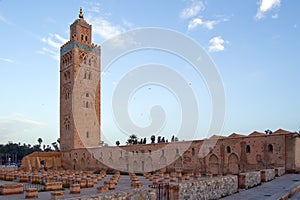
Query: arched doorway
x=233 y=164
x=213 y=164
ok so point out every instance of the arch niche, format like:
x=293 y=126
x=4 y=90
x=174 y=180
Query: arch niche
x=233 y=164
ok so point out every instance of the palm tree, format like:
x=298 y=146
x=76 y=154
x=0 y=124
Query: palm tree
x=40 y=140
x=152 y=139
x=132 y=139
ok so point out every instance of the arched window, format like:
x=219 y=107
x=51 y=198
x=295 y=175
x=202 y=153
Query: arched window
x=270 y=148
x=87 y=104
x=90 y=76
x=248 y=149
x=86 y=38
x=87 y=94
x=228 y=149
x=87 y=134
x=193 y=151
x=81 y=37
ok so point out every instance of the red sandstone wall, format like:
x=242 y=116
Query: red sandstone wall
x=228 y=156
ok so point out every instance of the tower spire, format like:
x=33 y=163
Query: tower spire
x=80 y=13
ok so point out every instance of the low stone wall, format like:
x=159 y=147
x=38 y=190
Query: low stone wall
x=249 y=179
x=146 y=194
x=267 y=175
x=53 y=186
x=11 y=189
x=214 y=188
x=279 y=171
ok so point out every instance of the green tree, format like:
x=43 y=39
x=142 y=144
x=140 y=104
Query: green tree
x=118 y=143
x=132 y=139
x=40 y=140
x=152 y=139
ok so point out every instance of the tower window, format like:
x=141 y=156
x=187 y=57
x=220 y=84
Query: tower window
x=248 y=149
x=86 y=38
x=228 y=149
x=270 y=148
x=81 y=37
x=90 y=75
x=193 y=151
x=87 y=94
x=87 y=104
x=87 y=134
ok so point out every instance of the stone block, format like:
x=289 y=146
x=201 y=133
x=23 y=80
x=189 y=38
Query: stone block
x=214 y=188
x=11 y=189
x=279 y=171
x=267 y=175
x=31 y=193
x=75 y=188
x=57 y=195
x=53 y=186
x=249 y=179
x=102 y=189
x=89 y=183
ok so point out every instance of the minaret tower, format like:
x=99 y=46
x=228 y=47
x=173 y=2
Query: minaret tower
x=79 y=89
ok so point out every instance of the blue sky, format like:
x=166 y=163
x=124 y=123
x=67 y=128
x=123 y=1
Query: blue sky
x=254 y=45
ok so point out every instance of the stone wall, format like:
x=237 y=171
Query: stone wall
x=267 y=175
x=279 y=171
x=249 y=179
x=229 y=155
x=214 y=188
x=149 y=194
x=33 y=161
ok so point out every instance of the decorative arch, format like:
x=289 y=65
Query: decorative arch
x=148 y=164
x=135 y=166
x=233 y=164
x=213 y=164
x=178 y=163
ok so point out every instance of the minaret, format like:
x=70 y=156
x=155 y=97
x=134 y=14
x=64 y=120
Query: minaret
x=79 y=89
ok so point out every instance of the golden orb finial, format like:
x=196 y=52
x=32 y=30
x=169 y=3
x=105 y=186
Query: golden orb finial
x=80 y=14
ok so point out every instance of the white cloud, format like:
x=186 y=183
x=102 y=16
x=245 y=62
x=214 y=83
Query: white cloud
x=216 y=44
x=104 y=28
x=61 y=39
x=4 y=20
x=16 y=124
x=193 y=10
x=209 y=24
x=275 y=16
x=53 y=43
x=265 y=6
x=7 y=60
x=93 y=6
